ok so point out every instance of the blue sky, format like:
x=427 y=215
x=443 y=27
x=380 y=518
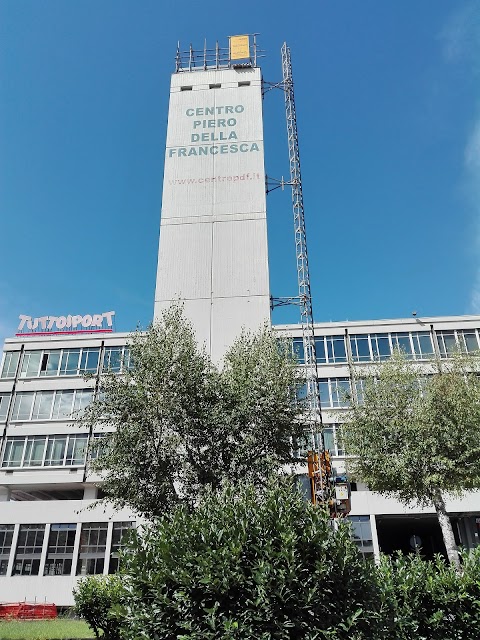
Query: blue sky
x=388 y=105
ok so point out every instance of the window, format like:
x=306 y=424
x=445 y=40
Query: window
x=215 y=86
x=116 y=359
x=467 y=340
x=362 y=534
x=83 y=397
x=401 y=341
x=6 y=536
x=333 y=439
x=244 y=83
x=56 y=448
x=297 y=346
x=60 y=550
x=50 y=405
x=29 y=550
x=320 y=353
x=89 y=361
x=4 y=402
x=59 y=362
x=186 y=88
x=93 y=544
x=62 y=407
x=336 y=349
x=22 y=406
x=360 y=390
x=69 y=364
x=118 y=533
x=30 y=364
x=422 y=345
x=380 y=346
x=449 y=342
x=50 y=362
x=35 y=447
x=42 y=406
x=76 y=450
x=45 y=451
x=360 y=346
x=13 y=453
x=330 y=349
x=334 y=392
x=10 y=363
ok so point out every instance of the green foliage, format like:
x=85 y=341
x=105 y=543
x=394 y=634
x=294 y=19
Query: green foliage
x=415 y=432
x=426 y=600
x=182 y=424
x=248 y=564
x=95 y=597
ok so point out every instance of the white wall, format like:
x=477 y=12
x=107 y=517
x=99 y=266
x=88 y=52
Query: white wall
x=213 y=234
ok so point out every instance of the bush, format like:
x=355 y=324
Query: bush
x=95 y=597
x=248 y=565
x=430 y=599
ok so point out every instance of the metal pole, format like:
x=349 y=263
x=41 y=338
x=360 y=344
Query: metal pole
x=306 y=312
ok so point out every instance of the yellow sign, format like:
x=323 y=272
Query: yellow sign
x=239 y=47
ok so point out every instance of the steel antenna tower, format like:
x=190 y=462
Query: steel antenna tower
x=304 y=291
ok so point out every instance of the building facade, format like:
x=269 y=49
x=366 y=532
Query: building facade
x=212 y=256
x=213 y=229
x=383 y=524
x=48 y=534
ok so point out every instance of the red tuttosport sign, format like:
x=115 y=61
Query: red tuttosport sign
x=54 y=325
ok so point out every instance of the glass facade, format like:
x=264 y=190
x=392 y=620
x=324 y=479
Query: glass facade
x=93 y=545
x=334 y=392
x=61 y=542
x=362 y=534
x=49 y=405
x=29 y=550
x=10 y=362
x=6 y=537
x=45 y=451
x=118 y=534
x=4 y=402
x=449 y=342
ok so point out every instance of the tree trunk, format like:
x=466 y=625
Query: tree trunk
x=447 y=531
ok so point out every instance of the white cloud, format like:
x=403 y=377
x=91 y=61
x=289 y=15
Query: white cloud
x=461 y=36
x=461 y=47
x=472 y=155
x=472 y=191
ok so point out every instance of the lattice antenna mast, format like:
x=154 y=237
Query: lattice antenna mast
x=306 y=313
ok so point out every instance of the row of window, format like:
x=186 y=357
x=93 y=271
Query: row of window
x=369 y=347
x=92 y=548
x=59 y=560
x=48 y=451
x=65 y=362
x=45 y=405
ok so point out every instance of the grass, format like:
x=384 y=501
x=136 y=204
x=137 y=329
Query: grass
x=58 y=629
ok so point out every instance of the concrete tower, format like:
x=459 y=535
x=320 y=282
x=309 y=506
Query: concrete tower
x=213 y=232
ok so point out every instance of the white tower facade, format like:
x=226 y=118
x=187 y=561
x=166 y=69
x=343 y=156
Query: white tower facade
x=213 y=232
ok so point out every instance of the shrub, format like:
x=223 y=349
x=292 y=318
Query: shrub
x=250 y=565
x=430 y=599
x=95 y=597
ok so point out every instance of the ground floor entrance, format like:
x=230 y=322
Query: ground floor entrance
x=421 y=532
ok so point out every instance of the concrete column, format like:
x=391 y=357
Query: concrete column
x=376 y=546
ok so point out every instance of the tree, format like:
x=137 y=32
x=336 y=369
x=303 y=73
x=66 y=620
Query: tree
x=250 y=564
x=414 y=432
x=181 y=424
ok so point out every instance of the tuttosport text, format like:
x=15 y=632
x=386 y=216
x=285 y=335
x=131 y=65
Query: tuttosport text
x=223 y=131
x=48 y=323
